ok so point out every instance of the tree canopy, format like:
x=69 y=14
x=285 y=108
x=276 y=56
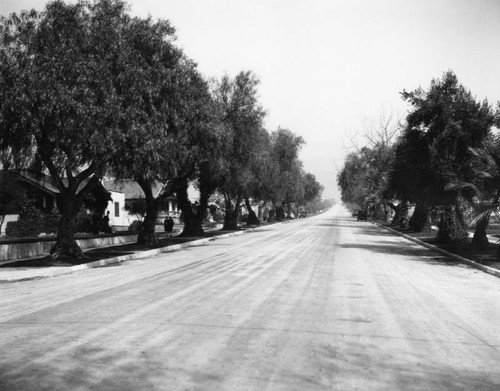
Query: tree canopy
x=58 y=96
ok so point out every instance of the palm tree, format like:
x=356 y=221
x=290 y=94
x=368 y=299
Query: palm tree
x=484 y=194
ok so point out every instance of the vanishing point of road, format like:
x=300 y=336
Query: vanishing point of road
x=325 y=303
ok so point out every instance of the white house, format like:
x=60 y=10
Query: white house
x=124 y=193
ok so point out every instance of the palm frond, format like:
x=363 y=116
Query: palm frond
x=461 y=186
x=484 y=210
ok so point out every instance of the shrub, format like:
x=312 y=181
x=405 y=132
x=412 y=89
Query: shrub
x=216 y=212
x=85 y=223
x=136 y=226
x=33 y=222
x=243 y=218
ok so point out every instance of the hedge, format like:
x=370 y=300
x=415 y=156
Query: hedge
x=32 y=222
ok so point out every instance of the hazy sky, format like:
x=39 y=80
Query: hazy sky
x=326 y=66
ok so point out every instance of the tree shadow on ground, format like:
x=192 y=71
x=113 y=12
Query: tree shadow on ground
x=96 y=369
x=350 y=364
x=338 y=225
x=487 y=256
x=411 y=252
x=374 y=231
x=338 y=222
x=376 y=362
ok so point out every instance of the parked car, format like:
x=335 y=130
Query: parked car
x=362 y=215
x=355 y=212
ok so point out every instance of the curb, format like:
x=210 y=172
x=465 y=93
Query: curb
x=474 y=264
x=57 y=271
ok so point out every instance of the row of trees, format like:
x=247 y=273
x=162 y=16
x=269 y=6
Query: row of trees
x=87 y=90
x=445 y=161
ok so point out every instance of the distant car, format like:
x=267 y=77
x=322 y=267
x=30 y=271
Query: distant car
x=362 y=215
x=355 y=213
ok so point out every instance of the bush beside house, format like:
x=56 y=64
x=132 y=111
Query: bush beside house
x=33 y=222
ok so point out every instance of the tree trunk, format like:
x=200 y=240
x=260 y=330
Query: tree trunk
x=452 y=228
x=260 y=211
x=386 y=212
x=203 y=209
x=232 y=213
x=397 y=213
x=147 y=235
x=192 y=225
x=420 y=220
x=480 y=240
x=378 y=212
x=280 y=213
x=192 y=220
x=400 y=214
x=66 y=245
x=404 y=220
x=272 y=212
x=252 y=217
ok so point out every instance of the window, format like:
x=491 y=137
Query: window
x=117 y=209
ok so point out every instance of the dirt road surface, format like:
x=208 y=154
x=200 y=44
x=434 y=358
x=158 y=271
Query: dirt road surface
x=325 y=303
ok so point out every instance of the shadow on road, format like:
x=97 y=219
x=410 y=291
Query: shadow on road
x=375 y=231
x=352 y=362
x=336 y=225
x=413 y=253
x=338 y=365
x=347 y=223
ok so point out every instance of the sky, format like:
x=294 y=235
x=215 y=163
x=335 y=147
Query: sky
x=329 y=69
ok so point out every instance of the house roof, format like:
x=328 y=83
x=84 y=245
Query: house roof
x=42 y=182
x=130 y=188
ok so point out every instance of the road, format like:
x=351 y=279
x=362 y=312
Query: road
x=325 y=303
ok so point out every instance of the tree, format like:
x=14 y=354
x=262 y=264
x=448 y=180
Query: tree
x=364 y=177
x=59 y=71
x=292 y=189
x=371 y=176
x=167 y=123
x=257 y=185
x=136 y=208
x=312 y=188
x=151 y=75
x=243 y=118
x=204 y=143
x=265 y=171
x=485 y=188
x=350 y=181
x=410 y=178
x=286 y=173
x=447 y=121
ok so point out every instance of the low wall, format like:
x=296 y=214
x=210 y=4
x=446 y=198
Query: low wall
x=17 y=250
